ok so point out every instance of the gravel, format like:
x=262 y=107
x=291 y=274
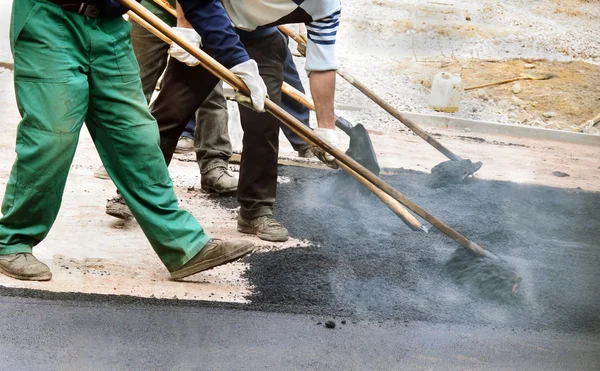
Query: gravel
x=364 y=263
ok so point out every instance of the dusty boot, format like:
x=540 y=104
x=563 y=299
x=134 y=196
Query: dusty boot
x=218 y=180
x=184 y=145
x=215 y=253
x=306 y=152
x=117 y=207
x=24 y=266
x=101 y=173
x=264 y=227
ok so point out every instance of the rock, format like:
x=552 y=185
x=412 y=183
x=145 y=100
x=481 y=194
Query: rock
x=524 y=117
x=549 y=114
x=528 y=66
x=467 y=18
x=503 y=104
x=330 y=324
x=343 y=322
x=517 y=102
x=516 y=88
x=560 y=174
x=482 y=93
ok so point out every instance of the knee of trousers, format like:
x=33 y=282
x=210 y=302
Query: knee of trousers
x=135 y=156
x=43 y=158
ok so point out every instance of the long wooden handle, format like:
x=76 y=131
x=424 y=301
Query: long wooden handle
x=166 y=6
x=288 y=31
x=497 y=83
x=389 y=201
x=386 y=106
x=297 y=127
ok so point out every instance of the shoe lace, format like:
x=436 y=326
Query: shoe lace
x=268 y=221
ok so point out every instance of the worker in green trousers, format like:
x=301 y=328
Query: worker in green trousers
x=73 y=62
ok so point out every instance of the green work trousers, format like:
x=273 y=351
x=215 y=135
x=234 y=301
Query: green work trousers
x=70 y=69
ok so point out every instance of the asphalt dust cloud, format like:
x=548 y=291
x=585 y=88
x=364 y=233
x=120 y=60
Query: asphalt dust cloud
x=366 y=263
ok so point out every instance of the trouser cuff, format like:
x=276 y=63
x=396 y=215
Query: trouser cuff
x=213 y=164
x=15 y=249
x=249 y=214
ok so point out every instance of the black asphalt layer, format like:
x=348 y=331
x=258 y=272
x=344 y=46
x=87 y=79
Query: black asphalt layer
x=367 y=264
x=383 y=286
x=42 y=334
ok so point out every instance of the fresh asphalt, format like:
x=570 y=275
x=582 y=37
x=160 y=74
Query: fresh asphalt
x=50 y=334
x=401 y=312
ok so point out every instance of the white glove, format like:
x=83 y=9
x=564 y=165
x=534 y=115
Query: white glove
x=331 y=136
x=190 y=35
x=248 y=72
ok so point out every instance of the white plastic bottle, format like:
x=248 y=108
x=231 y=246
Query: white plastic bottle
x=446 y=92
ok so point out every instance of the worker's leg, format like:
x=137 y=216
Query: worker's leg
x=52 y=96
x=182 y=92
x=127 y=139
x=258 y=169
x=293 y=107
x=213 y=147
x=151 y=54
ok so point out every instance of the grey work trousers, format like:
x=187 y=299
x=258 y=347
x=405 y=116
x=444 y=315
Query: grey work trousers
x=211 y=137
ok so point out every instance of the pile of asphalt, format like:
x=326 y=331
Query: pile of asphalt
x=367 y=264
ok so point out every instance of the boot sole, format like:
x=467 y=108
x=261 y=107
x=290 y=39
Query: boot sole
x=44 y=277
x=263 y=236
x=119 y=212
x=209 y=189
x=212 y=263
x=183 y=151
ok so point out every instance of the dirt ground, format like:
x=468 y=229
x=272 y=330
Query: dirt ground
x=380 y=43
x=566 y=101
x=90 y=252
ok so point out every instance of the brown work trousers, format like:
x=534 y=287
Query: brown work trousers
x=185 y=88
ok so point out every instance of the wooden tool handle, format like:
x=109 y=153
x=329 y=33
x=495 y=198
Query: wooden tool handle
x=287 y=31
x=497 y=83
x=389 y=201
x=296 y=126
x=399 y=116
x=386 y=106
x=166 y=6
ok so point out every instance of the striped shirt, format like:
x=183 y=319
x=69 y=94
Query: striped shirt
x=322 y=19
x=213 y=20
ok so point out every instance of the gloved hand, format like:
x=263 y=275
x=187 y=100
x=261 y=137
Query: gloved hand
x=333 y=138
x=302 y=47
x=248 y=72
x=190 y=35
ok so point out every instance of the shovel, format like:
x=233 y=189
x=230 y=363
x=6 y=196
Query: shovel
x=361 y=148
x=504 y=277
x=451 y=171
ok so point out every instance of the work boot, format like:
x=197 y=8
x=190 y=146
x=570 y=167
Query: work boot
x=101 y=173
x=117 y=207
x=264 y=227
x=306 y=152
x=218 y=180
x=216 y=252
x=24 y=266
x=184 y=145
